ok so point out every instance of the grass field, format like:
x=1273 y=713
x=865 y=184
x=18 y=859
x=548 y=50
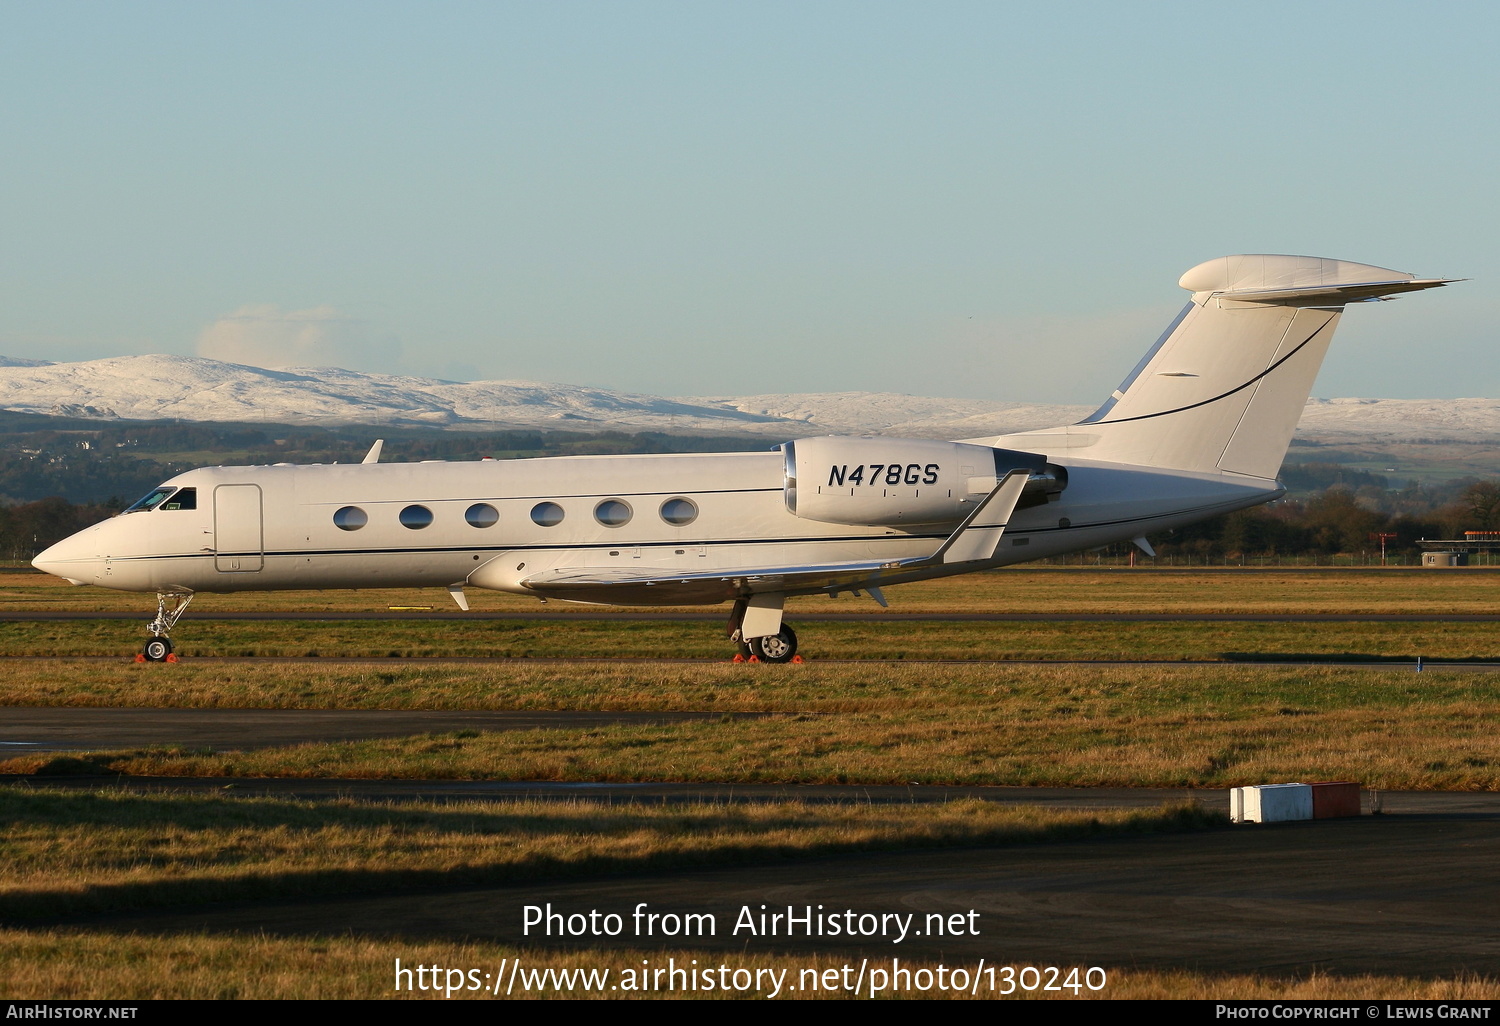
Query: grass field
x=1014 y=590
x=76 y=852
x=638 y=635
x=886 y=723
x=878 y=721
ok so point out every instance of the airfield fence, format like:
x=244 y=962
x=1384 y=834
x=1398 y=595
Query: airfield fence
x=1349 y=559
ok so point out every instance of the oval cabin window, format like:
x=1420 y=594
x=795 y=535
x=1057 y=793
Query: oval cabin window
x=546 y=514
x=350 y=518
x=482 y=514
x=416 y=517
x=613 y=513
x=679 y=512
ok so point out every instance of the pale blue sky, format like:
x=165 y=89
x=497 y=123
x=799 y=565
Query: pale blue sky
x=983 y=200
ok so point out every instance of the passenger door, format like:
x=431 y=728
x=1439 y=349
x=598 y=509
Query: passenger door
x=238 y=530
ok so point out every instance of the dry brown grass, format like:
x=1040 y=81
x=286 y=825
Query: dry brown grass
x=75 y=965
x=1441 y=748
x=1126 y=726
x=67 y=853
x=812 y=687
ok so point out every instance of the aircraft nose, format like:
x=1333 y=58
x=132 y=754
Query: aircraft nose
x=67 y=559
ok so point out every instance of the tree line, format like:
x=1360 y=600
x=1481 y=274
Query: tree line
x=30 y=527
x=1340 y=520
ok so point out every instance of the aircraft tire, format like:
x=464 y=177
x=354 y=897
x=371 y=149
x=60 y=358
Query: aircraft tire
x=776 y=648
x=157 y=649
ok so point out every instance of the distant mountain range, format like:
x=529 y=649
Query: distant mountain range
x=196 y=389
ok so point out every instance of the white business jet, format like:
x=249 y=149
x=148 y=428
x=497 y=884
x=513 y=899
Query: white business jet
x=1199 y=428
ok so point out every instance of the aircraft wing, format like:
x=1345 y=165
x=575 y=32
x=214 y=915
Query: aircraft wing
x=975 y=541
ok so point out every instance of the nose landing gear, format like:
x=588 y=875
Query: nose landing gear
x=169 y=607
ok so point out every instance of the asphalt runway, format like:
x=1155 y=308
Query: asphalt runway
x=1409 y=893
x=28 y=729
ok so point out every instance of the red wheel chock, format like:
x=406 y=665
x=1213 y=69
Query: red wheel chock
x=753 y=659
x=172 y=657
x=737 y=658
x=140 y=658
x=796 y=659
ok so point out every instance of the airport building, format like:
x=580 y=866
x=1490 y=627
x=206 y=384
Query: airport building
x=1442 y=552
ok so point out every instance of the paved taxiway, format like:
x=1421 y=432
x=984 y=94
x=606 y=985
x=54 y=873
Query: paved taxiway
x=1410 y=892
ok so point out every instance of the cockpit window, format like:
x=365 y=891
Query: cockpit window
x=183 y=498
x=150 y=500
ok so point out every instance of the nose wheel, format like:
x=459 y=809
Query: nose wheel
x=158 y=650
x=169 y=608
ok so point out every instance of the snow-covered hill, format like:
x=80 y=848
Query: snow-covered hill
x=192 y=388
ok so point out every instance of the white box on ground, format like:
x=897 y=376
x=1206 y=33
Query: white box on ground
x=1270 y=803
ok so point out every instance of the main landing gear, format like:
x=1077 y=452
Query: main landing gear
x=169 y=607
x=780 y=647
x=756 y=629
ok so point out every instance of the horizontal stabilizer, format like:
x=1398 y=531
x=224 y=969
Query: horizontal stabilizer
x=1333 y=295
x=1275 y=272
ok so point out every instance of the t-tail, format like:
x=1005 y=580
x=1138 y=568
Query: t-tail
x=1224 y=386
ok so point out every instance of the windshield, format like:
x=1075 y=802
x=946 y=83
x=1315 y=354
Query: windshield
x=183 y=498
x=151 y=500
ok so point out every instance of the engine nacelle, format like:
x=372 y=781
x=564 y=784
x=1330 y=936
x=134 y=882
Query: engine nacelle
x=872 y=482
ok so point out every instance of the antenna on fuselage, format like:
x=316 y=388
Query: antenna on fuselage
x=373 y=456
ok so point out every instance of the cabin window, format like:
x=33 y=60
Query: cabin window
x=679 y=512
x=183 y=498
x=149 y=501
x=416 y=517
x=546 y=514
x=350 y=518
x=482 y=514
x=613 y=512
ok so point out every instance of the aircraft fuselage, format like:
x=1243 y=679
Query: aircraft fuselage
x=438 y=524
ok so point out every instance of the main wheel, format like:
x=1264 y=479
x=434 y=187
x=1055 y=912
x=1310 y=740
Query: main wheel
x=157 y=650
x=775 y=648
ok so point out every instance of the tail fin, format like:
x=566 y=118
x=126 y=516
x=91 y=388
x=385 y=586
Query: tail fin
x=1224 y=386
